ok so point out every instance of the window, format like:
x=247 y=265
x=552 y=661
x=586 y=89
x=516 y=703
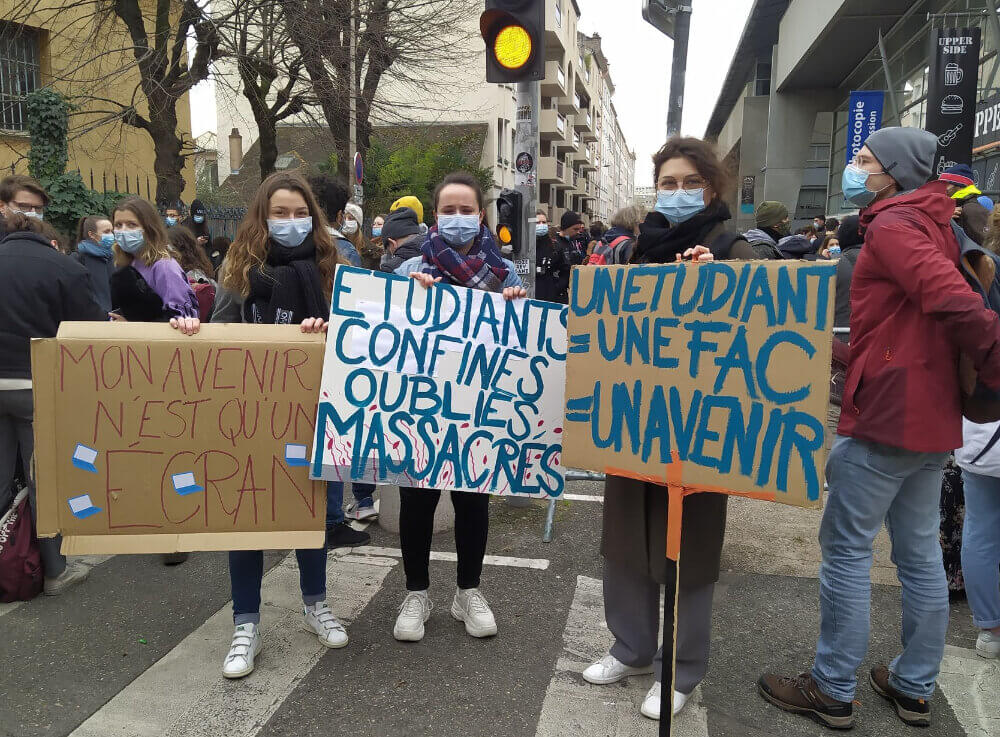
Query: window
x=501 y=139
x=812 y=202
x=559 y=13
x=819 y=154
x=513 y=147
x=762 y=80
x=19 y=73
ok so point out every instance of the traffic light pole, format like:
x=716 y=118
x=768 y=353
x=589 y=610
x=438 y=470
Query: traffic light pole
x=678 y=69
x=528 y=100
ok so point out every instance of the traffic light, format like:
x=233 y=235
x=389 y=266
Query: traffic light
x=510 y=207
x=514 y=32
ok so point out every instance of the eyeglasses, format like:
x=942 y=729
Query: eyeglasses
x=25 y=207
x=692 y=182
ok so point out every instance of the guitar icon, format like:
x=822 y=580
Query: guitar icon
x=949 y=136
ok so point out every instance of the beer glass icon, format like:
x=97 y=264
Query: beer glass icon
x=953 y=74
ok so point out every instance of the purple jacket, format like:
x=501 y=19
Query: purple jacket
x=168 y=280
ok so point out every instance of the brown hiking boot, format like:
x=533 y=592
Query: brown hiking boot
x=801 y=695
x=915 y=712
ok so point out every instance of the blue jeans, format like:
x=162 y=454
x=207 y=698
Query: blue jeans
x=335 y=499
x=981 y=548
x=246 y=571
x=870 y=483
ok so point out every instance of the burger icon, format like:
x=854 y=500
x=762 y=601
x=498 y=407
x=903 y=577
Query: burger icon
x=952 y=105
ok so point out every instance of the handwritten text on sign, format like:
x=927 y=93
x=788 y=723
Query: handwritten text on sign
x=723 y=365
x=159 y=433
x=441 y=388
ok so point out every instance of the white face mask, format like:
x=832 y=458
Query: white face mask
x=350 y=227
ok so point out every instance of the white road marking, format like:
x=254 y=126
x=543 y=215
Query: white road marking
x=971 y=684
x=573 y=706
x=91 y=561
x=539 y=564
x=184 y=694
x=583 y=498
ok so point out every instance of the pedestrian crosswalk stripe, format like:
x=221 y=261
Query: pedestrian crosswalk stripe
x=184 y=694
x=583 y=498
x=539 y=564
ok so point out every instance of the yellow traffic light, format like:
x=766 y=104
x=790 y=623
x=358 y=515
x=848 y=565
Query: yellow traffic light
x=503 y=232
x=512 y=47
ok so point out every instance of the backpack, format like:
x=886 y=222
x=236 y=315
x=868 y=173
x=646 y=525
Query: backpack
x=980 y=268
x=606 y=253
x=20 y=559
x=204 y=292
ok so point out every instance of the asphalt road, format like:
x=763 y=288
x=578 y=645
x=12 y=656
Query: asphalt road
x=136 y=651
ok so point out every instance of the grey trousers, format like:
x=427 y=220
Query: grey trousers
x=16 y=414
x=632 y=610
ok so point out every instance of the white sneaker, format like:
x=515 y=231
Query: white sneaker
x=470 y=606
x=610 y=669
x=651 y=704
x=320 y=619
x=359 y=513
x=413 y=612
x=245 y=647
x=988 y=645
x=73 y=574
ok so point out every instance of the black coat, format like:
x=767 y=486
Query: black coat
x=100 y=271
x=39 y=288
x=842 y=299
x=555 y=259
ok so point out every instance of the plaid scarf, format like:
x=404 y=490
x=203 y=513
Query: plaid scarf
x=481 y=268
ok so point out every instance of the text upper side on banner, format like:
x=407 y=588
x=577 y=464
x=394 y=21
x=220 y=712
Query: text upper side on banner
x=715 y=376
x=150 y=441
x=441 y=388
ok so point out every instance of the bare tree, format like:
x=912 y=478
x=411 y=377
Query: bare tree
x=414 y=45
x=270 y=72
x=136 y=45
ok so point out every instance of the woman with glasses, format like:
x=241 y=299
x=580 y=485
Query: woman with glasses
x=689 y=222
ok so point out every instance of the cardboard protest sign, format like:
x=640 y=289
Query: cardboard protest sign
x=441 y=388
x=713 y=377
x=150 y=441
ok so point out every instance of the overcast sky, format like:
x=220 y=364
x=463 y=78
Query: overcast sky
x=639 y=56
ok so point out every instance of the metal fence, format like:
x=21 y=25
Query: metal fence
x=223 y=221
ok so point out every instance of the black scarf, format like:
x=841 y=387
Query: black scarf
x=659 y=241
x=288 y=289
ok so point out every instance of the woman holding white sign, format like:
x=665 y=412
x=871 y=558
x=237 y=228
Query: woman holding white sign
x=459 y=250
x=689 y=222
x=279 y=270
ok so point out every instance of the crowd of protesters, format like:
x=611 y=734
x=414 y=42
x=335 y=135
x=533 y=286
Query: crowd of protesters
x=911 y=324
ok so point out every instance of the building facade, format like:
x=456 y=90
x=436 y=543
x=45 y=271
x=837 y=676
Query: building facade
x=38 y=51
x=584 y=162
x=781 y=118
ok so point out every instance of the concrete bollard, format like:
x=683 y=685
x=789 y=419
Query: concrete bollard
x=388 y=511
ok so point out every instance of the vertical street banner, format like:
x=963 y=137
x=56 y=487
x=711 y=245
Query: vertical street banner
x=441 y=388
x=952 y=94
x=712 y=377
x=864 y=117
x=149 y=441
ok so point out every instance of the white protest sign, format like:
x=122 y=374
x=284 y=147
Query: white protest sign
x=441 y=388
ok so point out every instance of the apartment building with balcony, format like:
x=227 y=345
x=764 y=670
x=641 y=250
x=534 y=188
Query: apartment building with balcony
x=584 y=162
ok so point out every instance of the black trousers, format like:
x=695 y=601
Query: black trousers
x=416 y=526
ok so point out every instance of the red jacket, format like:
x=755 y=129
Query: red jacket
x=912 y=313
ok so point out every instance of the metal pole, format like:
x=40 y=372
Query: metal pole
x=550 y=518
x=995 y=29
x=352 y=145
x=678 y=70
x=888 y=78
x=528 y=101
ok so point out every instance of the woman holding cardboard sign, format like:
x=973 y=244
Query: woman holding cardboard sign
x=458 y=250
x=279 y=270
x=689 y=222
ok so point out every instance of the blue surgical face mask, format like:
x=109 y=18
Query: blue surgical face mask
x=290 y=233
x=130 y=241
x=376 y=232
x=541 y=230
x=458 y=230
x=198 y=218
x=854 y=185
x=680 y=205
x=107 y=240
x=170 y=221
x=33 y=215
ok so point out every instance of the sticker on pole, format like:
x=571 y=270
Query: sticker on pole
x=524 y=162
x=522 y=265
x=359 y=169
